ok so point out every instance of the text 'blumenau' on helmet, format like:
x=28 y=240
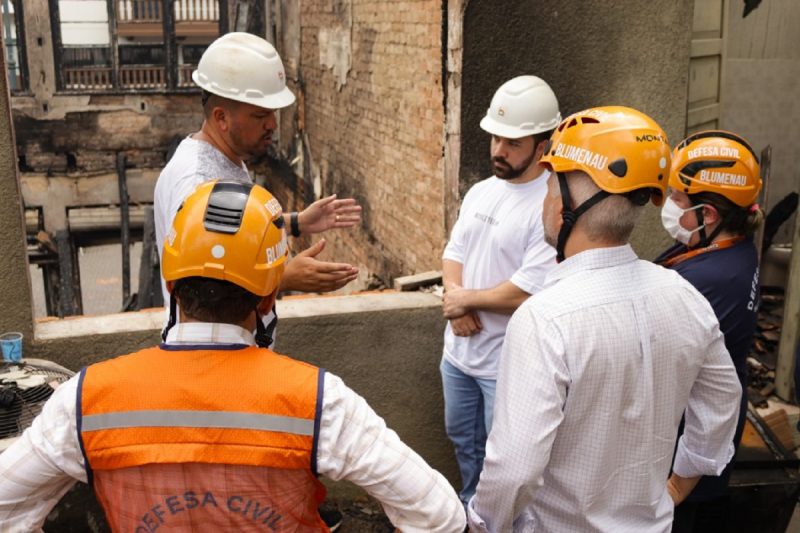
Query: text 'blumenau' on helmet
x=621 y=149
x=719 y=162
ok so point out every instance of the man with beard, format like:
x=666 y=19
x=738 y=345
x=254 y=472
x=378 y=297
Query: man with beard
x=495 y=259
x=243 y=84
x=599 y=366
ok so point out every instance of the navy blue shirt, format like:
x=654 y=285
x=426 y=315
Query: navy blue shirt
x=728 y=278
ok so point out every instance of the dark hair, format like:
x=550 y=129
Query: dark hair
x=211 y=100
x=543 y=136
x=734 y=218
x=214 y=300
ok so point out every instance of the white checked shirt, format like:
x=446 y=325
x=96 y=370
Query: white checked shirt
x=596 y=372
x=354 y=444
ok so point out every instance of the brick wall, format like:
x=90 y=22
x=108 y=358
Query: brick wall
x=88 y=136
x=378 y=136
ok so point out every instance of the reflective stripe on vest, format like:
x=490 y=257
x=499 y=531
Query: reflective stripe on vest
x=199 y=419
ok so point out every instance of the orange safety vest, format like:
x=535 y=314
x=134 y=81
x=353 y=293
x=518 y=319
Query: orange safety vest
x=215 y=438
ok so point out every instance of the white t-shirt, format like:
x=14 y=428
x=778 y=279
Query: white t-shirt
x=193 y=163
x=498 y=237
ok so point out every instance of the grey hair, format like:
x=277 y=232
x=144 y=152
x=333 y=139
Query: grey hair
x=610 y=220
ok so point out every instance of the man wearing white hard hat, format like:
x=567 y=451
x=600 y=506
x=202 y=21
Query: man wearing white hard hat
x=243 y=84
x=495 y=259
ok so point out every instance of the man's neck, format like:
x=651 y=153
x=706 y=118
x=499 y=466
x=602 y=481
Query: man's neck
x=212 y=137
x=531 y=173
x=248 y=323
x=579 y=242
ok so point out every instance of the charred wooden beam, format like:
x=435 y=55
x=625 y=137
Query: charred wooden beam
x=69 y=286
x=125 y=230
x=170 y=45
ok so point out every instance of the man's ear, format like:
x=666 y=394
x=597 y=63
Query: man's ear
x=538 y=152
x=267 y=303
x=220 y=116
x=170 y=286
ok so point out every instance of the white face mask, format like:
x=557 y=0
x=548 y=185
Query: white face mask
x=671 y=214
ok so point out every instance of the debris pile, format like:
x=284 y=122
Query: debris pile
x=763 y=355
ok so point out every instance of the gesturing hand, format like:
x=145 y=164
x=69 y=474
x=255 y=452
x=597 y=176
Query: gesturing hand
x=306 y=273
x=328 y=213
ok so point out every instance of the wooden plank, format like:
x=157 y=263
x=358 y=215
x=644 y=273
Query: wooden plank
x=707 y=18
x=763 y=197
x=103 y=218
x=704 y=79
x=703 y=114
x=778 y=422
x=410 y=283
x=790 y=332
x=706 y=47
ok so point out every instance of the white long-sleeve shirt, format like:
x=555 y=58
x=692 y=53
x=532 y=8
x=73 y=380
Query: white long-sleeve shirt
x=596 y=371
x=354 y=444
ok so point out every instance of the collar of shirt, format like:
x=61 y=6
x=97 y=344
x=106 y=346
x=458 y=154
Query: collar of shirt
x=209 y=333
x=593 y=259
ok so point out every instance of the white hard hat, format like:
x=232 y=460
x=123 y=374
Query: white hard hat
x=246 y=68
x=522 y=106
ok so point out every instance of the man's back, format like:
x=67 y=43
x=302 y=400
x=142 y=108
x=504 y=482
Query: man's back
x=608 y=353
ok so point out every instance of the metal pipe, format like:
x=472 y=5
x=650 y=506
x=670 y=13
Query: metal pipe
x=125 y=230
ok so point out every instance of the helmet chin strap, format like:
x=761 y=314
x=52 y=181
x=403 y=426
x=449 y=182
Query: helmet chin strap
x=264 y=334
x=706 y=240
x=173 y=314
x=570 y=216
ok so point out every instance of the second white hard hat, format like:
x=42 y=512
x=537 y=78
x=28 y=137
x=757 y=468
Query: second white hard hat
x=246 y=68
x=522 y=106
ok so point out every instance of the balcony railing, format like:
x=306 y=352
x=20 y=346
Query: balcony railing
x=196 y=10
x=185 y=75
x=129 y=77
x=87 y=78
x=141 y=77
x=139 y=11
x=149 y=11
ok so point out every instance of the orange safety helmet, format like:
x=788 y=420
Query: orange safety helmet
x=230 y=231
x=620 y=148
x=719 y=162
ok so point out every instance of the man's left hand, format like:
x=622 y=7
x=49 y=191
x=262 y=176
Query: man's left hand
x=680 y=487
x=329 y=213
x=454 y=303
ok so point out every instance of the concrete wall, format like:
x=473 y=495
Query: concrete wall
x=760 y=90
x=15 y=283
x=386 y=347
x=371 y=105
x=591 y=53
